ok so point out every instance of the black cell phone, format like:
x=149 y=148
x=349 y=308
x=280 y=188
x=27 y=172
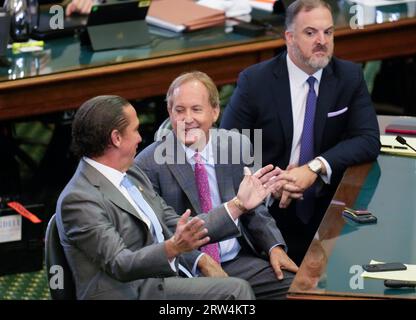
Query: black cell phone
x=249 y=29
x=380 y=267
x=399 y=284
x=356 y=212
x=362 y=218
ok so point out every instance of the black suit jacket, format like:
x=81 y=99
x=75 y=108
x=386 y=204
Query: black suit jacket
x=262 y=100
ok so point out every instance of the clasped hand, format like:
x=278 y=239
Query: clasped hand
x=285 y=185
x=292 y=183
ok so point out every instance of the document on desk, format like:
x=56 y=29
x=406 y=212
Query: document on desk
x=379 y=3
x=265 y=5
x=391 y=146
x=404 y=275
x=181 y=15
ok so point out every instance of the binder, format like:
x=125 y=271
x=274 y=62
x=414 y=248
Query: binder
x=183 y=15
x=265 y=5
x=402 y=129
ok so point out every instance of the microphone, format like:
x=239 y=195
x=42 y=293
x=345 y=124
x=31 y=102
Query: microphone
x=403 y=141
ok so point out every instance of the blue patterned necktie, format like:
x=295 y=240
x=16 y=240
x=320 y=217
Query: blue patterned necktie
x=305 y=207
x=155 y=227
x=306 y=141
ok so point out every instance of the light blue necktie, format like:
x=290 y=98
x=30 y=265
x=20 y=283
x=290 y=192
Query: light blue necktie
x=155 y=225
x=137 y=197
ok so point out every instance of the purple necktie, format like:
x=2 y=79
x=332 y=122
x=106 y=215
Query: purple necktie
x=201 y=178
x=305 y=207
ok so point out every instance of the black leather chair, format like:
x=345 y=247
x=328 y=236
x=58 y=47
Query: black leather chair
x=54 y=256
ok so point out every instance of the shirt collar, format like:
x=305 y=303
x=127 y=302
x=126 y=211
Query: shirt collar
x=111 y=174
x=297 y=76
x=206 y=154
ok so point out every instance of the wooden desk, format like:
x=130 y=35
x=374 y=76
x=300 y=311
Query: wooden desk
x=141 y=78
x=331 y=267
x=131 y=80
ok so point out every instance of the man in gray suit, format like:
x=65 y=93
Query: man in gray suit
x=114 y=228
x=259 y=255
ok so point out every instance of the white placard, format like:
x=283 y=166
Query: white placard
x=11 y=228
x=378 y=3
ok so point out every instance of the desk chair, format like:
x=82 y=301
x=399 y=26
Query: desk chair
x=54 y=255
x=164 y=129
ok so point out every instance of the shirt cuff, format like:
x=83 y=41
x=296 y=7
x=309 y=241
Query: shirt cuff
x=279 y=244
x=172 y=264
x=195 y=270
x=231 y=217
x=269 y=201
x=326 y=177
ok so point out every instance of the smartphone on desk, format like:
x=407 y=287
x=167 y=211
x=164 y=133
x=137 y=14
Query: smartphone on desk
x=359 y=216
x=380 y=267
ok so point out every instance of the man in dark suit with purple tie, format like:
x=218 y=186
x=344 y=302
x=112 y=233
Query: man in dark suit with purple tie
x=316 y=117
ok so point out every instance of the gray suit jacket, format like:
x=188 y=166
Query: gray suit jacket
x=174 y=181
x=109 y=248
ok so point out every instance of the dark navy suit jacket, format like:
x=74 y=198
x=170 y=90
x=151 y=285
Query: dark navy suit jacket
x=346 y=129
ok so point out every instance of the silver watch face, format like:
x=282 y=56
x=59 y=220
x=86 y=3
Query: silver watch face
x=315 y=166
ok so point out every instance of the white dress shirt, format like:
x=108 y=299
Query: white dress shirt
x=298 y=92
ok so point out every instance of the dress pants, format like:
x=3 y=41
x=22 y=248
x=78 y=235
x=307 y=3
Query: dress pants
x=260 y=274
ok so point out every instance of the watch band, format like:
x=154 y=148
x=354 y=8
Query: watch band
x=239 y=204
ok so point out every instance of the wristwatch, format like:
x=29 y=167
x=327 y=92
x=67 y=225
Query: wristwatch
x=315 y=165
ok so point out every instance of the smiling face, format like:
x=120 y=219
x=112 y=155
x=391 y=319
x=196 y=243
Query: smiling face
x=310 y=39
x=191 y=113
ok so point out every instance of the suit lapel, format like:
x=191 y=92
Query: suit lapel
x=108 y=189
x=223 y=171
x=326 y=95
x=183 y=173
x=282 y=98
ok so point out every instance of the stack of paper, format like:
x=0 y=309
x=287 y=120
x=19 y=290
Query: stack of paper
x=404 y=275
x=181 y=15
x=266 y=5
x=232 y=8
x=379 y=3
x=391 y=146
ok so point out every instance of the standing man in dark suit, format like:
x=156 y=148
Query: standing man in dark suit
x=316 y=115
x=114 y=228
x=173 y=166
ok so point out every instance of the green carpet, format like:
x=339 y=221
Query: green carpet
x=25 y=286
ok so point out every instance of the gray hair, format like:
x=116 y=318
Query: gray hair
x=307 y=5
x=213 y=95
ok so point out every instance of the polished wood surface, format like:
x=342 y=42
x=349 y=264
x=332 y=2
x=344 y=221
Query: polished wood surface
x=132 y=80
x=314 y=264
x=151 y=77
x=332 y=267
x=377 y=41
